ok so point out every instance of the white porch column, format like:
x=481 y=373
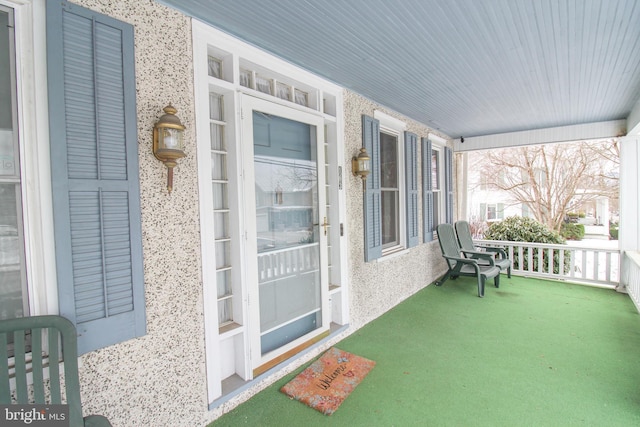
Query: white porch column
x=629 y=232
x=629 y=235
x=462 y=183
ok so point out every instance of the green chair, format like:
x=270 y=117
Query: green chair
x=479 y=252
x=459 y=265
x=37 y=346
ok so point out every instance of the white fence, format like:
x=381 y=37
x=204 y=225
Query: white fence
x=564 y=262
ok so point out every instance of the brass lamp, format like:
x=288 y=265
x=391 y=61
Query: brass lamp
x=361 y=165
x=168 y=141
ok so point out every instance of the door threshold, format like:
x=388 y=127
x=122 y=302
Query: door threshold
x=284 y=356
x=234 y=385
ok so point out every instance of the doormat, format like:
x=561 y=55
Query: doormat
x=329 y=380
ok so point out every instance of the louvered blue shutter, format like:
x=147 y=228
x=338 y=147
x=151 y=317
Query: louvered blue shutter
x=411 y=183
x=448 y=171
x=94 y=164
x=500 y=211
x=427 y=192
x=372 y=195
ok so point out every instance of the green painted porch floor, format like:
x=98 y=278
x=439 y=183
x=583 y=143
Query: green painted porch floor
x=531 y=353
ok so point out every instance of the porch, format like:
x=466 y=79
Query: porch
x=533 y=352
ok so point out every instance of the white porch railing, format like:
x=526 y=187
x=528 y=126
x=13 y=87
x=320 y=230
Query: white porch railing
x=283 y=263
x=631 y=276
x=564 y=262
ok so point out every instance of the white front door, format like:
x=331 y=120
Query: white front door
x=286 y=244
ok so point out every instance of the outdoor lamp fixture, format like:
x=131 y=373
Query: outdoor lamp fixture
x=168 y=141
x=361 y=165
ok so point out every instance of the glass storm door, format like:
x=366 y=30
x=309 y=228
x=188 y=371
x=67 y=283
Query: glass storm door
x=286 y=241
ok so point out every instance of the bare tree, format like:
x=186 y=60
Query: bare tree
x=553 y=179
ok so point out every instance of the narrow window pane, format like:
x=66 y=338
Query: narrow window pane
x=217 y=137
x=388 y=161
x=225 y=312
x=218 y=166
x=245 y=78
x=215 y=67
x=389 y=218
x=216 y=107
x=220 y=199
x=221 y=225
x=435 y=170
x=223 y=254
x=283 y=91
x=264 y=85
x=223 y=279
x=301 y=98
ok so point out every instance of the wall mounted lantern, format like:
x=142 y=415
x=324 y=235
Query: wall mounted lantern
x=168 y=141
x=361 y=165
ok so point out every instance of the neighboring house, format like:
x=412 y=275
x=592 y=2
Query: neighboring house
x=487 y=203
x=267 y=251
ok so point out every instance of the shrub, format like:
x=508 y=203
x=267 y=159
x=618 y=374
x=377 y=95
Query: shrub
x=571 y=231
x=522 y=229
x=613 y=230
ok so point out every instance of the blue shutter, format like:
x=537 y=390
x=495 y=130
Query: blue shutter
x=500 y=211
x=94 y=165
x=427 y=192
x=372 y=195
x=448 y=173
x=411 y=182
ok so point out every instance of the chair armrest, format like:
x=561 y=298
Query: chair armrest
x=469 y=261
x=481 y=255
x=499 y=251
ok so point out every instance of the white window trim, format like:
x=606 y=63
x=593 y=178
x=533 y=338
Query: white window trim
x=438 y=145
x=393 y=126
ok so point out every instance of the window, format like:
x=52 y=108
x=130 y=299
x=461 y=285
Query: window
x=390 y=190
x=437 y=185
x=491 y=211
x=437 y=188
x=221 y=211
x=391 y=197
x=14 y=301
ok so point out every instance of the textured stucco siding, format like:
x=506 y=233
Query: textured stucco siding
x=160 y=379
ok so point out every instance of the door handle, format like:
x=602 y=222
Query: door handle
x=324 y=225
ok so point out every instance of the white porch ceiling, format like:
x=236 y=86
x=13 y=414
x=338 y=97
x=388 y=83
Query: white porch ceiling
x=466 y=67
